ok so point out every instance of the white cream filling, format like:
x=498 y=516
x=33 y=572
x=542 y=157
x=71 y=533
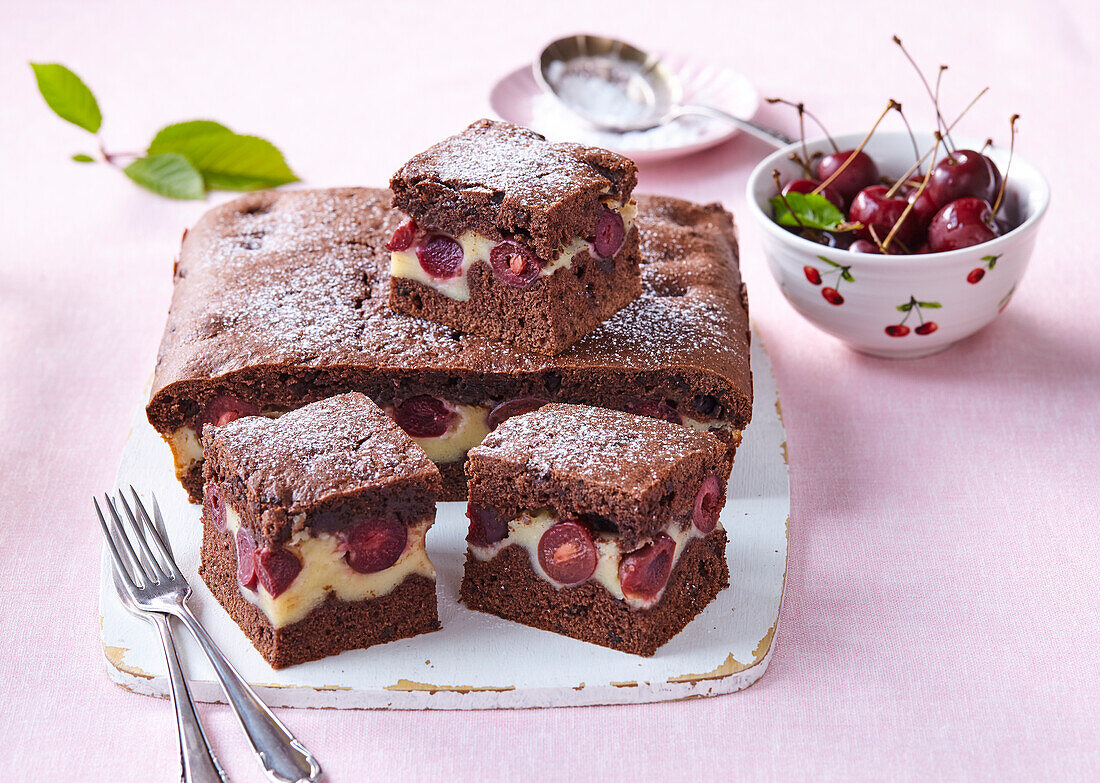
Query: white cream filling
x=527 y=530
x=476 y=248
x=325 y=571
x=470 y=430
x=186 y=449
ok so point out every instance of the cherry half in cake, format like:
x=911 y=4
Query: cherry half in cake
x=314 y=526
x=596 y=524
x=514 y=238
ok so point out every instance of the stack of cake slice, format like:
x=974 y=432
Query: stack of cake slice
x=521 y=273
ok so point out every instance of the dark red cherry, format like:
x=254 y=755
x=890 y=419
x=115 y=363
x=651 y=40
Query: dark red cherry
x=610 y=233
x=655 y=408
x=277 y=568
x=644 y=573
x=486 y=526
x=567 y=553
x=857 y=175
x=832 y=296
x=423 y=416
x=375 y=544
x=863 y=246
x=514 y=263
x=510 y=408
x=975 y=275
x=962 y=174
x=403 y=236
x=812 y=274
x=924 y=208
x=225 y=408
x=926 y=328
x=964 y=222
x=440 y=255
x=215 y=507
x=874 y=209
x=246 y=558
x=708 y=504
x=808 y=185
x=897 y=330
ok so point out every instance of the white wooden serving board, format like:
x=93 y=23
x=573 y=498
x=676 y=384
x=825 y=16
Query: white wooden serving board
x=478 y=661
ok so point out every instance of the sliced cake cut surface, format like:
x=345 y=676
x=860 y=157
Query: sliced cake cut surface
x=313 y=529
x=514 y=238
x=280 y=299
x=596 y=524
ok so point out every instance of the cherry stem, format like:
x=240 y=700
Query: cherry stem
x=110 y=158
x=987 y=145
x=892 y=104
x=940 y=122
x=1008 y=166
x=949 y=143
x=803 y=110
x=912 y=138
x=913 y=198
x=874 y=236
x=794 y=156
x=778 y=187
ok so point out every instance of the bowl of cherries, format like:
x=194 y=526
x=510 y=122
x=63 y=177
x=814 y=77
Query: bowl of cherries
x=899 y=244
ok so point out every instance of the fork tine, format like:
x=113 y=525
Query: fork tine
x=158 y=523
x=134 y=559
x=116 y=557
x=155 y=537
x=152 y=565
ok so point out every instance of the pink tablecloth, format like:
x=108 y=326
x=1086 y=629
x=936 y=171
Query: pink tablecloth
x=941 y=618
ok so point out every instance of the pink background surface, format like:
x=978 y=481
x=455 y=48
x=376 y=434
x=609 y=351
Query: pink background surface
x=941 y=617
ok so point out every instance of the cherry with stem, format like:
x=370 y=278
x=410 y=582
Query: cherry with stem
x=913 y=199
x=779 y=188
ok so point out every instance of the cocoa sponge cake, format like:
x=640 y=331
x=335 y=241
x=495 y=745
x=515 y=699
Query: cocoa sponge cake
x=512 y=237
x=314 y=526
x=596 y=524
x=280 y=300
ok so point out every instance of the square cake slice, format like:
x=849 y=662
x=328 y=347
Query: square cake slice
x=313 y=529
x=514 y=238
x=596 y=524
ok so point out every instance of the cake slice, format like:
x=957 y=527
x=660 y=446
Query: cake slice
x=596 y=524
x=514 y=238
x=313 y=529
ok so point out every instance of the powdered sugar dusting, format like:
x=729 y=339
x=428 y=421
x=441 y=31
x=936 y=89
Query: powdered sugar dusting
x=593 y=444
x=329 y=447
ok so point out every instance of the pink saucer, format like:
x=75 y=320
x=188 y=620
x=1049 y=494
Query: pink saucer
x=518 y=98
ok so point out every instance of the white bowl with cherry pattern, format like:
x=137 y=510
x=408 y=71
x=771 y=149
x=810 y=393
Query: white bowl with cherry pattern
x=900 y=306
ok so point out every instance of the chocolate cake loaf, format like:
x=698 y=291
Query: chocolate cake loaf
x=280 y=300
x=596 y=524
x=514 y=238
x=313 y=529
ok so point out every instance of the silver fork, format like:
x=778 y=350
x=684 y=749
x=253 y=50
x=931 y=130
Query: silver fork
x=197 y=760
x=158 y=586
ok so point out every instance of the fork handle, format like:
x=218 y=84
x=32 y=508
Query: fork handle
x=196 y=757
x=282 y=756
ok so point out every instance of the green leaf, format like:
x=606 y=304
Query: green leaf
x=905 y=308
x=80 y=157
x=991 y=261
x=847 y=276
x=827 y=261
x=226 y=160
x=179 y=133
x=167 y=174
x=932 y=305
x=68 y=96
x=812 y=210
